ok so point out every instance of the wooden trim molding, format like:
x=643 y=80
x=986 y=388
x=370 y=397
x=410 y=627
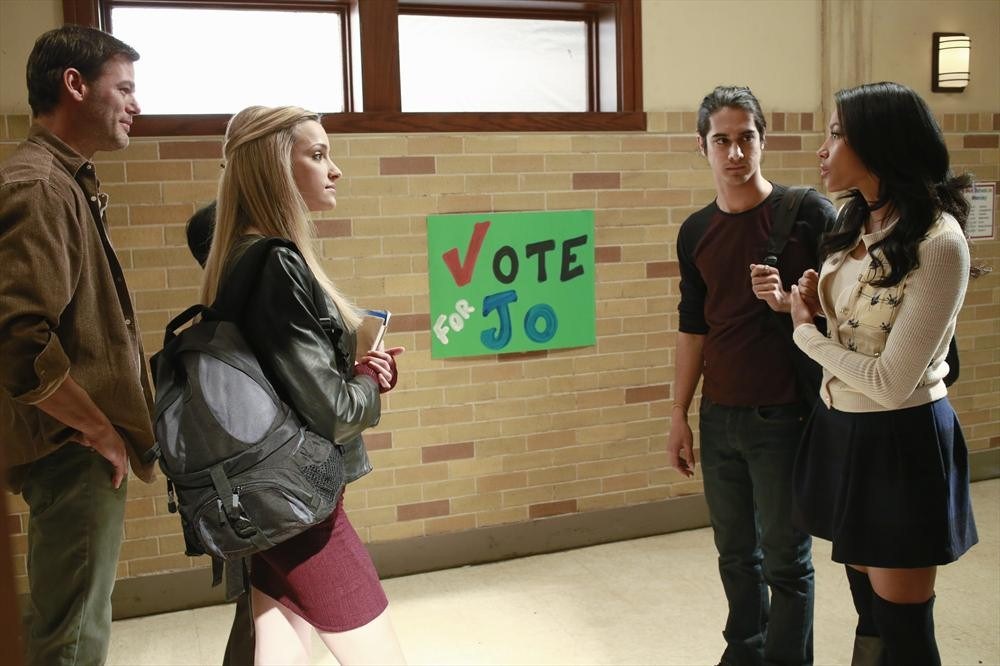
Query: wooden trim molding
x=393 y=121
x=379 y=33
x=192 y=588
x=984 y=464
x=81 y=12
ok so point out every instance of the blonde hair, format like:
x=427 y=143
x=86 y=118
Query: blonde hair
x=257 y=193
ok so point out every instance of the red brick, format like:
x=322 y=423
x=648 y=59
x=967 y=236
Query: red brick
x=494 y=482
x=597 y=181
x=423 y=510
x=608 y=254
x=523 y=356
x=996 y=121
x=14 y=524
x=179 y=150
x=551 y=508
x=777 y=122
x=430 y=454
x=410 y=322
x=981 y=141
x=396 y=166
x=783 y=143
x=806 y=122
x=333 y=228
x=375 y=441
x=659 y=269
x=647 y=393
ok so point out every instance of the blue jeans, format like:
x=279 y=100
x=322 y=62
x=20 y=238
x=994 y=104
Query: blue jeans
x=747 y=454
x=74 y=536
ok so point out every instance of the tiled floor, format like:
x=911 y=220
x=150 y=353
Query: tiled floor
x=648 y=601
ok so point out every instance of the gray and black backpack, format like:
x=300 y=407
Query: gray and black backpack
x=242 y=470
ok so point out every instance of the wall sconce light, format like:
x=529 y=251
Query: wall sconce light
x=950 y=61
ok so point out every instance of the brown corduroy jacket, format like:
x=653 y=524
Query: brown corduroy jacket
x=64 y=306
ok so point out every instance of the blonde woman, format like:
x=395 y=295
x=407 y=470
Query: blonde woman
x=277 y=169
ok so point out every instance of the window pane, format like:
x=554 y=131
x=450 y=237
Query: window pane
x=454 y=63
x=220 y=60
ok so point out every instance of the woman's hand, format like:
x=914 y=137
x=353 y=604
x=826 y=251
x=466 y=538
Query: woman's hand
x=801 y=312
x=380 y=365
x=809 y=290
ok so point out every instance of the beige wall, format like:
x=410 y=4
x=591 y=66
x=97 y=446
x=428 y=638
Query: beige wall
x=690 y=46
x=21 y=22
x=901 y=48
x=777 y=48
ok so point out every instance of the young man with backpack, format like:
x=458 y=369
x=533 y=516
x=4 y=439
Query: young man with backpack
x=734 y=334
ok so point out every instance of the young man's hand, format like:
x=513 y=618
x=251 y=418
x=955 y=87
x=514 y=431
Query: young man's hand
x=680 y=445
x=766 y=283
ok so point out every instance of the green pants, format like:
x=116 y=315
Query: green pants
x=74 y=535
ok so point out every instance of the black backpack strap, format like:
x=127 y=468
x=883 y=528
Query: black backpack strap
x=781 y=227
x=954 y=367
x=234 y=573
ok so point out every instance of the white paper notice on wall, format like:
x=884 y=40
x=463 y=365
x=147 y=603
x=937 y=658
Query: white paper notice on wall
x=981 y=212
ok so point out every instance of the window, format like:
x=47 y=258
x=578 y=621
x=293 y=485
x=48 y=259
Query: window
x=464 y=63
x=383 y=65
x=221 y=66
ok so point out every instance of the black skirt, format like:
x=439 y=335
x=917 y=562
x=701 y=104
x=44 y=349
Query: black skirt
x=889 y=488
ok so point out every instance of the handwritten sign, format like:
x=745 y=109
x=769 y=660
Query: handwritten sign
x=510 y=282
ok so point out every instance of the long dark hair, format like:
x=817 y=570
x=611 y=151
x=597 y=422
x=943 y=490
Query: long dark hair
x=896 y=137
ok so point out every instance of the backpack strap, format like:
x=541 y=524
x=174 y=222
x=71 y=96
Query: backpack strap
x=781 y=227
x=235 y=574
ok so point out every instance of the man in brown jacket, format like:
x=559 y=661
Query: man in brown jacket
x=75 y=398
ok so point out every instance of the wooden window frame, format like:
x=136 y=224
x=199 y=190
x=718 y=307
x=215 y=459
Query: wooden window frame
x=371 y=74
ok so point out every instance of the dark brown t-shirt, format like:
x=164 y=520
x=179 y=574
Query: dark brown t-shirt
x=747 y=354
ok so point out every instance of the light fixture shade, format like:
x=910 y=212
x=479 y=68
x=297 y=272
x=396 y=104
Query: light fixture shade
x=950 y=61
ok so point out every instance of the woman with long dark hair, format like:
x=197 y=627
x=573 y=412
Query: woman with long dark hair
x=883 y=468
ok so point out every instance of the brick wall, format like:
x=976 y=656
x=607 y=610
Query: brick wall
x=485 y=441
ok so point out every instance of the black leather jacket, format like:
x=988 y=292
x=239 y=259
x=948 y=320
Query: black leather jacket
x=311 y=369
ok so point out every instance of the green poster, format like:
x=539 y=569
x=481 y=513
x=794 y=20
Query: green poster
x=510 y=282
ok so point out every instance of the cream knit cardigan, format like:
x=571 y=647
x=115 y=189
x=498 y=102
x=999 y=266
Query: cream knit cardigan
x=886 y=347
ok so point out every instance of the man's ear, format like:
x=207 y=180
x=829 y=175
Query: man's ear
x=74 y=84
x=701 y=145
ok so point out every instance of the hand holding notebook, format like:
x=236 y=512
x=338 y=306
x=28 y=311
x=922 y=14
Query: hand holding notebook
x=371 y=331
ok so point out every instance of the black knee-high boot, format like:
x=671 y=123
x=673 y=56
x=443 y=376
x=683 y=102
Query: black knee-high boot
x=907 y=632
x=861 y=590
x=868 y=649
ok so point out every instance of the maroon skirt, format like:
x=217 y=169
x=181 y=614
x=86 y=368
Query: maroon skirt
x=323 y=575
